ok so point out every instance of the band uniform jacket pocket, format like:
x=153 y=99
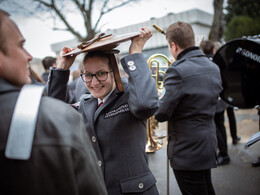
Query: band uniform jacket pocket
x=138 y=184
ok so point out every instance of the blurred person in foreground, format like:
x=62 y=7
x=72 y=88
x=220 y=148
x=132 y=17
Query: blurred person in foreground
x=192 y=85
x=116 y=121
x=62 y=160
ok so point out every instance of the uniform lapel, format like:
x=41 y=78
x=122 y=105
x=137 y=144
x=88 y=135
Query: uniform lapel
x=89 y=108
x=107 y=102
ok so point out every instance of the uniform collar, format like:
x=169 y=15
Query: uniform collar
x=6 y=86
x=105 y=98
x=186 y=51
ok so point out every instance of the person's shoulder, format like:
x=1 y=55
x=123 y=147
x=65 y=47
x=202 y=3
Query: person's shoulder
x=52 y=105
x=58 y=120
x=57 y=111
x=179 y=66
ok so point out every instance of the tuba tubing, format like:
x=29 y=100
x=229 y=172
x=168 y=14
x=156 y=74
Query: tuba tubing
x=158 y=64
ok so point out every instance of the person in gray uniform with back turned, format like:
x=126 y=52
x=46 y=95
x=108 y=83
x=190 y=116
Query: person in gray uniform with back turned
x=62 y=160
x=118 y=126
x=192 y=85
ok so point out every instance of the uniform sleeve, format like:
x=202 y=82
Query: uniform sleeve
x=143 y=97
x=88 y=175
x=57 y=84
x=173 y=91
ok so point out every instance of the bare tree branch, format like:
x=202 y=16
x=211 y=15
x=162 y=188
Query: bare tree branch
x=53 y=7
x=120 y=5
x=82 y=11
x=84 y=8
x=86 y=15
x=44 y=3
x=102 y=13
x=91 y=31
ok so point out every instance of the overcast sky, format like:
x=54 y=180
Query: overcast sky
x=39 y=34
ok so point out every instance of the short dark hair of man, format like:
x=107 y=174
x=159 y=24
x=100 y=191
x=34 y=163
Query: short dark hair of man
x=48 y=62
x=182 y=34
x=207 y=47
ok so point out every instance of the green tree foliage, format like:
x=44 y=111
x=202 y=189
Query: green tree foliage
x=242 y=26
x=242 y=18
x=249 y=8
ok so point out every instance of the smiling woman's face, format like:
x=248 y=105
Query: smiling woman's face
x=99 y=89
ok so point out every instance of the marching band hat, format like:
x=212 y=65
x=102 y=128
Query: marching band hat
x=102 y=42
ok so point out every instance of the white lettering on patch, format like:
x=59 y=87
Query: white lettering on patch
x=248 y=54
x=119 y=110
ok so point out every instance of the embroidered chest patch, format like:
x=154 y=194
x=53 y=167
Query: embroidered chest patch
x=121 y=109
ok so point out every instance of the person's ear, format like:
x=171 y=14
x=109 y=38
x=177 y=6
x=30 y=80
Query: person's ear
x=174 y=46
x=214 y=51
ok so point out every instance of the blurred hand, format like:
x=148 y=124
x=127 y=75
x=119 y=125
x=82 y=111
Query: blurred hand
x=139 y=42
x=66 y=62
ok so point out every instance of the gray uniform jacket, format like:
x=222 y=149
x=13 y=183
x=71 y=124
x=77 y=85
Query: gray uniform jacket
x=62 y=160
x=118 y=128
x=192 y=85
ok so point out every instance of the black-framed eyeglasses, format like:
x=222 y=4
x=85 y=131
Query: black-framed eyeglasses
x=100 y=76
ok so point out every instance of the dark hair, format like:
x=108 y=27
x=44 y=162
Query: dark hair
x=97 y=53
x=48 y=62
x=207 y=47
x=2 y=37
x=180 y=33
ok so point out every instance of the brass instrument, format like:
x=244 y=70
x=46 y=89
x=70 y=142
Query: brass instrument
x=158 y=64
x=159 y=29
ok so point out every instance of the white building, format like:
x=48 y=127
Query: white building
x=200 y=21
